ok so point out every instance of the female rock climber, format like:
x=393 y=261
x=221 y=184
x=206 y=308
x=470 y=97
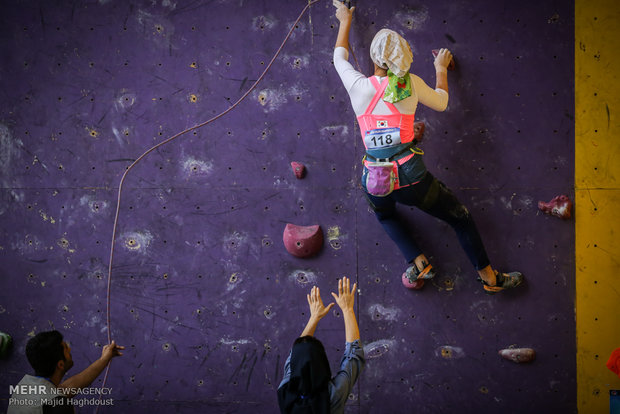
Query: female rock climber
x=394 y=171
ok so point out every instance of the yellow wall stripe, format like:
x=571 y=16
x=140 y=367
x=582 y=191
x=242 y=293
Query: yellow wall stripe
x=597 y=196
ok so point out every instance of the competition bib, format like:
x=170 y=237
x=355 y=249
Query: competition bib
x=382 y=137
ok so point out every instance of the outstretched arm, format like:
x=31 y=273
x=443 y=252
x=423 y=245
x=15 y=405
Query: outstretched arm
x=344 y=16
x=86 y=377
x=345 y=300
x=441 y=69
x=317 y=311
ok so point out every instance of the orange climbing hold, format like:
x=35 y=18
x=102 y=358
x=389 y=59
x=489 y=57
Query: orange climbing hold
x=303 y=241
x=614 y=362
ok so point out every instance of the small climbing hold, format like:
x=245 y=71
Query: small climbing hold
x=302 y=241
x=412 y=284
x=418 y=131
x=450 y=352
x=5 y=344
x=614 y=362
x=446 y=353
x=518 y=355
x=560 y=206
x=451 y=65
x=299 y=169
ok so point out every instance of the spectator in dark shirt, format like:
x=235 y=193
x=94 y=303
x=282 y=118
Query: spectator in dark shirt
x=308 y=386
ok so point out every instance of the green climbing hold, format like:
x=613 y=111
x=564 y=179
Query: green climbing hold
x=5 y=344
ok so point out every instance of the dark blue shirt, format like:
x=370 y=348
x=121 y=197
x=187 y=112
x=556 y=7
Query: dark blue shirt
x=341 y=384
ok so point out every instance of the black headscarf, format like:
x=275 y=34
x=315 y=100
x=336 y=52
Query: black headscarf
x=306 y=392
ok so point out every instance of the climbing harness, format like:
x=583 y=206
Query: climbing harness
x=389 y=142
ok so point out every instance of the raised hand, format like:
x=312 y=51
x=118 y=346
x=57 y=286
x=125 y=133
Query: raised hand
x=444 y=56
x=346 y=300
x=343 y=13
x=317 y=309
x=111 y=350
x=346 y=297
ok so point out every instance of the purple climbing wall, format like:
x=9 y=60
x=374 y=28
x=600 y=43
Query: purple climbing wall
x=204 y=295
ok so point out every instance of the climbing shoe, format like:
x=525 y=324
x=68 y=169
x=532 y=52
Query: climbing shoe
x=503 y=281
x=413 y=273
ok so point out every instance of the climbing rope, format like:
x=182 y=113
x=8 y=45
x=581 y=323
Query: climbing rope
x=168 y=140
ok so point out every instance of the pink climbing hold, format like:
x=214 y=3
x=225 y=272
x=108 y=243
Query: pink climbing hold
x=518 y=355
x=451 y=65
x=303 y=241
x=560 y=206
x=299 y=169
x=415 y=284
x=418 y=131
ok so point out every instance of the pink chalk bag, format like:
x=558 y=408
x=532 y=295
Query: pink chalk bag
x=380 y=179
x=382 y=174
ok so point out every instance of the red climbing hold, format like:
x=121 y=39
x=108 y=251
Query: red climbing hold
x=299 y=169
x=451 y=65
x=614 y=362
x=418 y=131
x=518 y=355
x=303 y=241
x=415 y=284
x=560 y=206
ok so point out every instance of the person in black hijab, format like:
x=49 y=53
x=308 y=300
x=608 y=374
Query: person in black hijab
x=308 y=385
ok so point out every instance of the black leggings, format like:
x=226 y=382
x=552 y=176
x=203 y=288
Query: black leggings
x=433 y=197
